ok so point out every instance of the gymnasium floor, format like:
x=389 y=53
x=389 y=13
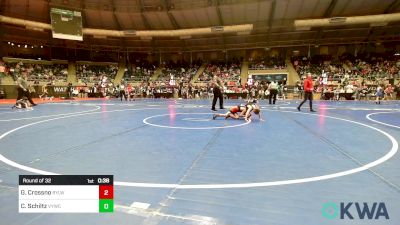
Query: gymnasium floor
x=173 y=164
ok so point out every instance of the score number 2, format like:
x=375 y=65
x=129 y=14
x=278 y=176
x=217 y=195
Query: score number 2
x=106 y=192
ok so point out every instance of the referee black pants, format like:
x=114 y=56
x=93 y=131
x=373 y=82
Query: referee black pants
x=309 y=96
x=217 y=94
x=122 y=94
x=27 y=94
x=272 y=95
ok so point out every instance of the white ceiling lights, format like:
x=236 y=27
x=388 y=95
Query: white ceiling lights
x=241 y=28
x=373 y=20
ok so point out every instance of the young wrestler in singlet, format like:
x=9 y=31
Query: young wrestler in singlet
x=252 y=107
x=233 y=112
x=241 y=111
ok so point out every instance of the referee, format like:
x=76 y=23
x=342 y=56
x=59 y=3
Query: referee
x=308 y=92
x=23 y=88
x=273 y=91
x=217 y=86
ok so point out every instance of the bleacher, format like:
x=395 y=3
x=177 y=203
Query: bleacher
x=139 y=71
x=40 y=71
x=266 y=63
x=94 y=72
x=228 y=72
x=181 y=72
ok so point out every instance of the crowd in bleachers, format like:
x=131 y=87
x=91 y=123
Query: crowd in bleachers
x=2 y=68
x=189 y=91
x=141 y=70
x=318 y=65
x=369 y=69
x=359 y=92
x=351 y=77
x=226 y=71
x=48 y=73
x=374 y=67
x=181 y=71
x=88 y=73
x=267 y=62
x=334 y=78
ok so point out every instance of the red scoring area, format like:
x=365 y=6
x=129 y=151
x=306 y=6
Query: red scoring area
x=106 y=192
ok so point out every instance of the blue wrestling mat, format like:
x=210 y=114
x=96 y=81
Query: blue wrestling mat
x=173 y=164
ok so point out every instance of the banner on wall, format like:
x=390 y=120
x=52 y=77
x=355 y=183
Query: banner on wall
x=59 y=89
x=270 y=77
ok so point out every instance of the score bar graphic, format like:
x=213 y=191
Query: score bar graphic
x=66 y=193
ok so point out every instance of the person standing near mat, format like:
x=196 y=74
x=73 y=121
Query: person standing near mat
x=308 y=92
x=23 y=88
x=273 y=91
x=44 y=92
x=218 y=86
x=379 y=94
x=122 y=92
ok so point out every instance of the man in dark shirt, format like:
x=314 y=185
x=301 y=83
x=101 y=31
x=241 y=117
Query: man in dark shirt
x=217 y=86
x=23 y=88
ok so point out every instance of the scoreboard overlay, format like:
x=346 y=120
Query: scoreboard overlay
x=66 y=193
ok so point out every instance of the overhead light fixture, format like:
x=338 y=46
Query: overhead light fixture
x=378 y=24
x=303 y=28
x=243 y=33
x=337 y=20
x=12 y=44
x=26 y=46
x=41 y=46
x=34 y=28
x=19 y=46
x=100 y=36
x=217 y=28
x=129 y=32
x=9 y=42
x=143 y=33
x=373 y=20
